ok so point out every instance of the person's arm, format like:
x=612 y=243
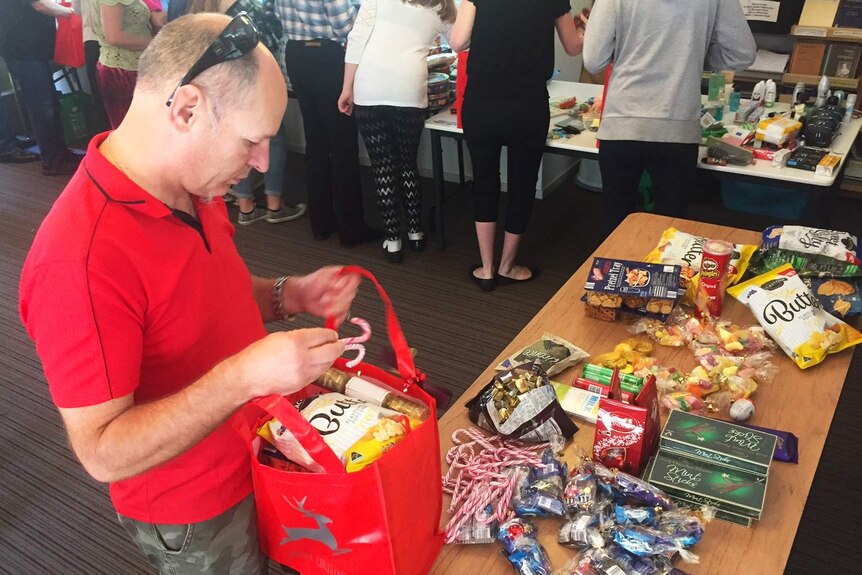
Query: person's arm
x=459 y=37
x=49 y=8
x=324 y=293
x=345 y=100
x=119 y=439
x=357 y=40
x=341 y=14
x=112 y=26
x=732 y=45
x=571 y=35
x=600 y=36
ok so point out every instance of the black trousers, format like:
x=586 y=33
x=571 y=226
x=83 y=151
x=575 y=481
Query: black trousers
x=316 y=71
x=391 y=135
x=521 y=126
x=672 y=168
x=91 y=55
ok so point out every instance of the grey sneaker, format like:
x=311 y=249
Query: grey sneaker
x=255 y=215
x=286 y=213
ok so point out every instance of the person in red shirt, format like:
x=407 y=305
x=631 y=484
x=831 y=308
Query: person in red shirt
x=149 y=326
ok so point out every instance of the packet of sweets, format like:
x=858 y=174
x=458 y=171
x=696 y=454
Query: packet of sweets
x=811 y=252
x=792 y=316
x=553 y=354
x=686 y=250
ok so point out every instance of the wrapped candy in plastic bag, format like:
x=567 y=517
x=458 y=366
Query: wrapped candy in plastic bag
x=522 y=548
x=636 y=489
x=521 y=403
x=533 y=561
x=581 y=532
x=479 y=529
x=539 y=492
x=628 y=514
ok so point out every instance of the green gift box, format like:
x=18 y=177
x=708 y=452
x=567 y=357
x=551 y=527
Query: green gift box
x=697 y=481
x=718 y=441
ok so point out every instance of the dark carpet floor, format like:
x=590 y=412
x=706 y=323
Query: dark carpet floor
x=54 y=519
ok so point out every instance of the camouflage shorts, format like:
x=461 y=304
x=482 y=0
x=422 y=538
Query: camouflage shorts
x=226 y=544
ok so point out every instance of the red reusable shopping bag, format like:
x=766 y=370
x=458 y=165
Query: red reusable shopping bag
x=69 y=49
x=381 y=520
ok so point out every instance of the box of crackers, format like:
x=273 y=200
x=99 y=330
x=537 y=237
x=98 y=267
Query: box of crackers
x=640 y=288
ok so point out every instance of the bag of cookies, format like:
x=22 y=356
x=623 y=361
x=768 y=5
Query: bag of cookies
x=686 y=250
x=842 y=297
x=639 y=288
x=793 y=317
x=552 y=353
x=812 y=252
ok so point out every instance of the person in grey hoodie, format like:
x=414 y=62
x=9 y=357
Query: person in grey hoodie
x=659 y=49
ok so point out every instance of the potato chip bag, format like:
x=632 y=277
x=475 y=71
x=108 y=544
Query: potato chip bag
x=342 y=421
x=379 y=439
x=686 y=250
x=793 y=317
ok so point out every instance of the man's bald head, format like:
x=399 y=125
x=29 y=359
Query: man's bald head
x=178 y=46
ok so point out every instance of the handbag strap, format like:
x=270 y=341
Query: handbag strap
x=307 y=436
x=403 y=357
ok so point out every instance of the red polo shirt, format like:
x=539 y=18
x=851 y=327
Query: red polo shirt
x=123 y=295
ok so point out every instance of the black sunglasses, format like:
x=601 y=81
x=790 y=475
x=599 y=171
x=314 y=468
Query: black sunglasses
x=238 y=38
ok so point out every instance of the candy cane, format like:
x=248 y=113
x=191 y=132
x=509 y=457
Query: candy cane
x=480 y=475
x=355 y=343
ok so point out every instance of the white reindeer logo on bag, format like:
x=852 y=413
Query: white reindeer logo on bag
x=321 y=534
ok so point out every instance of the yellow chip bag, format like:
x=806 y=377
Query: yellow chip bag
x=792 y=316
x=378 y=440
x=686 y=250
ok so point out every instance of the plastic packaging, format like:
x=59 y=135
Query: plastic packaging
x=851 y=104
x=769 y=97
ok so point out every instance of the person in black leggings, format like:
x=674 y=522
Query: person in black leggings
x=506 y=104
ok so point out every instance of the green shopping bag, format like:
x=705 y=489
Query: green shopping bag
x=73 y=113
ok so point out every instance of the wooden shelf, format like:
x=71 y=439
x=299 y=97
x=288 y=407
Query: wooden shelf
x=831 y=34
x=839 y=83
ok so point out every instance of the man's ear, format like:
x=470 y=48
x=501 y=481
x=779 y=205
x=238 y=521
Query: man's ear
x=187 y=107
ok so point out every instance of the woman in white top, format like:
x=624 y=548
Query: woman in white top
x=386 y=86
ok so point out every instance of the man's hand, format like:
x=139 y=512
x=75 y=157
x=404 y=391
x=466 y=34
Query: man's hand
x=324 y=293
x=284 y=362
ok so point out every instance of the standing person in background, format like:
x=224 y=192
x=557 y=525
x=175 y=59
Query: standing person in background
x=277 y=210
x=91 y=54
x=10 y=151
x=28 y=32
x=386 y=87
x=124 y=28
x=314 y=58
x=506 y=104
x=652 y=106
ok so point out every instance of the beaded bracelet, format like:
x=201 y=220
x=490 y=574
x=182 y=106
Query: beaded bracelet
x=278 y=299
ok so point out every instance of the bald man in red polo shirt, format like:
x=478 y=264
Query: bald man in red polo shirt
x=149 y=325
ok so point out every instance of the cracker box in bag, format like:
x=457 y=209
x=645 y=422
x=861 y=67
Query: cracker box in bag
x=686 y=250
x=793 y=317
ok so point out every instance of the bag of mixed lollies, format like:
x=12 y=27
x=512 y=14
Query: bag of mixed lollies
x=793 y=317
x=520 y=403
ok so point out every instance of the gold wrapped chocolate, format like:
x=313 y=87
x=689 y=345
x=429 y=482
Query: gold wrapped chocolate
x=354 y=386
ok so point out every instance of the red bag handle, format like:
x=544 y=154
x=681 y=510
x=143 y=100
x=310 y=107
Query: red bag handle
x=307 y=436
x=404 y=358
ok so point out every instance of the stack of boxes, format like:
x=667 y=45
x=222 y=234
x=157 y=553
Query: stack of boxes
x=703 y=461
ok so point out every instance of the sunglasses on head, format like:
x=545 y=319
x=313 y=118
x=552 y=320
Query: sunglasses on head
x=238 y=38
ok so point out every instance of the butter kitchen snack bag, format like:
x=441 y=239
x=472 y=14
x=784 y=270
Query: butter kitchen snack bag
x=686 y=250
x=793 y=317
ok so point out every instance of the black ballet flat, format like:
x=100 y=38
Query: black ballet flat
x=485 y=284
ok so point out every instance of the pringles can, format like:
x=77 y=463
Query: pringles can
x=713 y=270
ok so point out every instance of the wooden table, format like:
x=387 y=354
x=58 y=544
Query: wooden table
x=802 y=402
